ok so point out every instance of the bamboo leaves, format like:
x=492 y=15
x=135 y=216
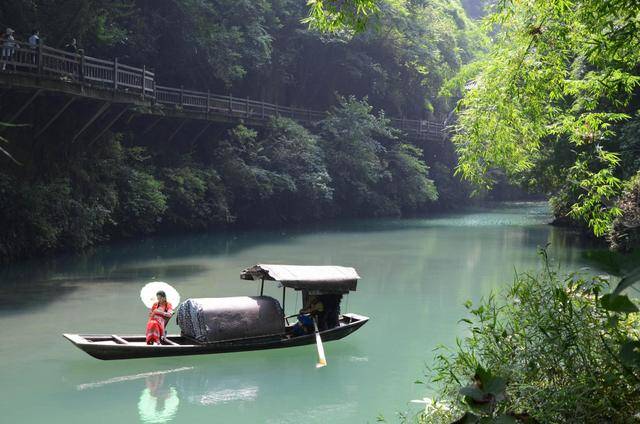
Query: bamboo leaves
x=334 y=16
x=558 y=72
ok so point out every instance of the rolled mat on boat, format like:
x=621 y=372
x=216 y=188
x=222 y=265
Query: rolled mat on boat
x=217 y=319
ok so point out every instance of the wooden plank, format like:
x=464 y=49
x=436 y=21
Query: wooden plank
x=119 y=339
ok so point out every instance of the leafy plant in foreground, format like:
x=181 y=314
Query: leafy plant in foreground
x=549 y=348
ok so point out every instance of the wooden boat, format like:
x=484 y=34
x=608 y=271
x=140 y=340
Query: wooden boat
x=312 y=281
x=129 y=347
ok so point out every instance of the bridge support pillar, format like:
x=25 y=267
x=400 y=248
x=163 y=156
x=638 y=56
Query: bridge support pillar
x=95 y=116
x=200 y=133
x=55 y=117
x=175 y=132
x=115 y=74
x=24 y=107
x=109 y=125
x=208 y=102
x=151 y=126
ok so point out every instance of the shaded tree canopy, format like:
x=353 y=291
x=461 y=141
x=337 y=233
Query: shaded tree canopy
x=550 y=100
x=353 y=163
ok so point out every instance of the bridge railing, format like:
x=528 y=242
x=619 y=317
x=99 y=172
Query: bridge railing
x=111 y=74
x=45 y=60
x=231 y=106
x=418 y=126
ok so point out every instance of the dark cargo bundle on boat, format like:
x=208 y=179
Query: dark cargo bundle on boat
x=210 y=320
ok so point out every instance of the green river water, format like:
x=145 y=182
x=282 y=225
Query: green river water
x=416 y=275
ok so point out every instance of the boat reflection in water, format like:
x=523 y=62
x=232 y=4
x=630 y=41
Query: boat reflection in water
x=217 y=396
x=158 y=402
x=245 y=386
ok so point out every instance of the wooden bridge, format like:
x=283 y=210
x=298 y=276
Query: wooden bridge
x=118 y=88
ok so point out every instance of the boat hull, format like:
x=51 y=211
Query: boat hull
x=108 y=347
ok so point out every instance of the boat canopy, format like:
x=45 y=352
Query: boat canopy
x=336 y=279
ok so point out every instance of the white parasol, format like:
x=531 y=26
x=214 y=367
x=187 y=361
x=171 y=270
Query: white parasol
x=148 y=293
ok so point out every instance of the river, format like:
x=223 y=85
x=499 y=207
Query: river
x=416 y=275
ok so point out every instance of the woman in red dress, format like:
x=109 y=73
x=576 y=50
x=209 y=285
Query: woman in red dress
x=160 y=313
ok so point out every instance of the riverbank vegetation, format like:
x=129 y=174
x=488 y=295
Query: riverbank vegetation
x=355 y=166
x=548 y=348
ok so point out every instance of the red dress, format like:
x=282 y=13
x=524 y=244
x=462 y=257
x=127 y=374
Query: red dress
x=157 y=319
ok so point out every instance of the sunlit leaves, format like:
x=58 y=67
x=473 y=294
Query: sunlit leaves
x=598 y=191
x=340 y=15
x=556 y=73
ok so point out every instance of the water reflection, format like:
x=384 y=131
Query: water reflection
x=158 y=402
x=247 y=386
x=218 y=396
x=146 y=375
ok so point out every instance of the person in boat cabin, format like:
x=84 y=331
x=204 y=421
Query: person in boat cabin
x=331 y=315
x=304 y=325
x=159 y=315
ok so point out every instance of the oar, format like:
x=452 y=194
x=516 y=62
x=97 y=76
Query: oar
x=322 y=361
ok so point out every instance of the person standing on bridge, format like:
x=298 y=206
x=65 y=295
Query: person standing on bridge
x=34 y=42
x=34 y=39
x=72 y=47
x=9 y=46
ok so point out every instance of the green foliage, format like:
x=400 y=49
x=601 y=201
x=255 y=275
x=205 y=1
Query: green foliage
x=43 y=215
x=278 y=175
x=104 y=194
x=373 y=173
x=334 y=16
x=141 y=203
x=352 y=140
x=410 y=186
x=558 y=72
x=561 y=356
x=599 y=189
x=293 y=152
x=249 y=183
x=354 y=164
x=195 y=198
x=260 y=49
x=630 y=146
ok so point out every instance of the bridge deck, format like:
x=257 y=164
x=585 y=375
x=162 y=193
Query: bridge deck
x=46 y=68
